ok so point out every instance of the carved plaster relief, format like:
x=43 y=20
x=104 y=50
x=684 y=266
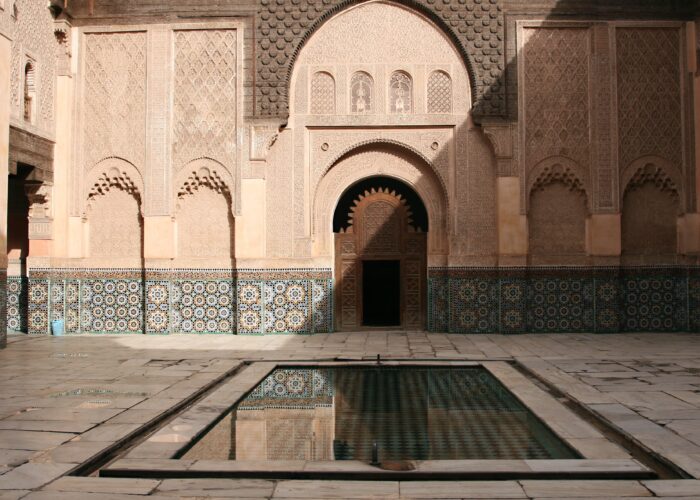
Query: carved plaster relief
x=205 y=96
x=204 y=222
x=114 y=93
x=204 y=213
x=372 y=42
x=649 y=95
x=555 y=94
x=475 y=26
x=32 y=35
x=393 y=161
x=114 y=214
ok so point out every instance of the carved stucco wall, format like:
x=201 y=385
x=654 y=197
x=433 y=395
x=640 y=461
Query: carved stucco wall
x=163 y=100
x=205 y=225
x=600 y=101
x=555 y=99
x=31 y=27
x=557 y=221
x=374 y=40
x=649 y=97
x=114 y=212
x=114 y=98
x=205 y=97
x=115 y=225
x=377 y=38
x=475 y=26
x=390 y=160
x=204 y=215
x=651 y=204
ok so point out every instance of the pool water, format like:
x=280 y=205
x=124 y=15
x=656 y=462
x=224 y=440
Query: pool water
x=407 y=413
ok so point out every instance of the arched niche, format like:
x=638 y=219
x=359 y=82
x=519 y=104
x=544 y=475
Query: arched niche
x=114 y=211
x=651 y=204
x=388 y=160
x=558 y=208
x=204 y=213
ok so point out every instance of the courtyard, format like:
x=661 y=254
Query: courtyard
x=72 y=406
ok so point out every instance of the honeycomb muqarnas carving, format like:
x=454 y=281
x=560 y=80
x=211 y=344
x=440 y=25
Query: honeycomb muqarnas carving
x=474 y=26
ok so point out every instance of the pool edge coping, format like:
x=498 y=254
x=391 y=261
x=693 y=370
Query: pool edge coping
x=153 y=457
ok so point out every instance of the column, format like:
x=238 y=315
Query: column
x=5 y=58
x=158 y=228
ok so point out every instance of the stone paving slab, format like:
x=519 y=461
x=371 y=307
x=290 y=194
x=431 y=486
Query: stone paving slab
x=29 y=476
x=59 y=394
x=674 y=487
x=460 y=489
x=104 y=485
x=585 y=489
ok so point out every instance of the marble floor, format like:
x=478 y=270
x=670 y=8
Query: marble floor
x=65 y=401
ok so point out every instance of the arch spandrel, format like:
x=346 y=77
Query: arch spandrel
x=366 y=162
x=475 y=38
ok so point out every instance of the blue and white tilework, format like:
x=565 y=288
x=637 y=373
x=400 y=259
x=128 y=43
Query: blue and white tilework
x=564 y=300
x=17 y=303
x=221 y=301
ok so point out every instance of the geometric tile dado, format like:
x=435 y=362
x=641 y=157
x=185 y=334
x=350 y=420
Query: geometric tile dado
x=221 y=301
x=299 y=301
x=564 y=300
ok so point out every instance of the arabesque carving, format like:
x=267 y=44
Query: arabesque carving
x=114 y=97
x=32 y=33
x=475 y=27
x=556 y=94
x=204 y=177
x=649 y=93
x=110 y=174
x=656 y=175
x=558 y=173
x=205 y=99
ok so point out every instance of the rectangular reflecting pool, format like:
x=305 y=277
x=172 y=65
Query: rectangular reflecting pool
x=406 y=413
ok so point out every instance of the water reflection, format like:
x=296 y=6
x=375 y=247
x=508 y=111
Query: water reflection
x=412 y=413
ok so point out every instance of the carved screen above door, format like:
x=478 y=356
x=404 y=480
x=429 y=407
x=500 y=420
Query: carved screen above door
x=380 y=227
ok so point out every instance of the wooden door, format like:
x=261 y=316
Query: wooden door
x=380 y=228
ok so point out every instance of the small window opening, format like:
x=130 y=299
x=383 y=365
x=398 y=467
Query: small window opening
x=29 y=92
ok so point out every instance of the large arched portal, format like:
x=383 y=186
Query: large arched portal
x=380 y=227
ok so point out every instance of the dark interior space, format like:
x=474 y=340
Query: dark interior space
x=18 y=214
x=419 y=213
x=381 y=294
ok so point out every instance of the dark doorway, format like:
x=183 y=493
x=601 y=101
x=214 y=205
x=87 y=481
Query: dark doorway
x=381 y=293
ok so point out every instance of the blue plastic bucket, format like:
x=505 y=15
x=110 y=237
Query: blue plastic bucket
x=57 y=327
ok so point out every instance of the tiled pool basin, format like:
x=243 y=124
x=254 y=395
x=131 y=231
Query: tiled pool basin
x=395 y=413
x=441 y=420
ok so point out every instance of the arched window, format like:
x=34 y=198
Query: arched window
x=401 y=92
x=361 y=89
x=439 y=93
x=29 y=92
x=322 y=94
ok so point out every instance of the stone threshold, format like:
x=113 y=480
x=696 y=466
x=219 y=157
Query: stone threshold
x=357 y=470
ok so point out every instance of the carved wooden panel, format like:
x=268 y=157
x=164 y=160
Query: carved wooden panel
x=413 y=291
x=381 y=227
x=380 y=230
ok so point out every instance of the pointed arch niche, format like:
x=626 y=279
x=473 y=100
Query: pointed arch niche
x=557 y=213
x=113 y=211
x=204 y=214
x=651 y=204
